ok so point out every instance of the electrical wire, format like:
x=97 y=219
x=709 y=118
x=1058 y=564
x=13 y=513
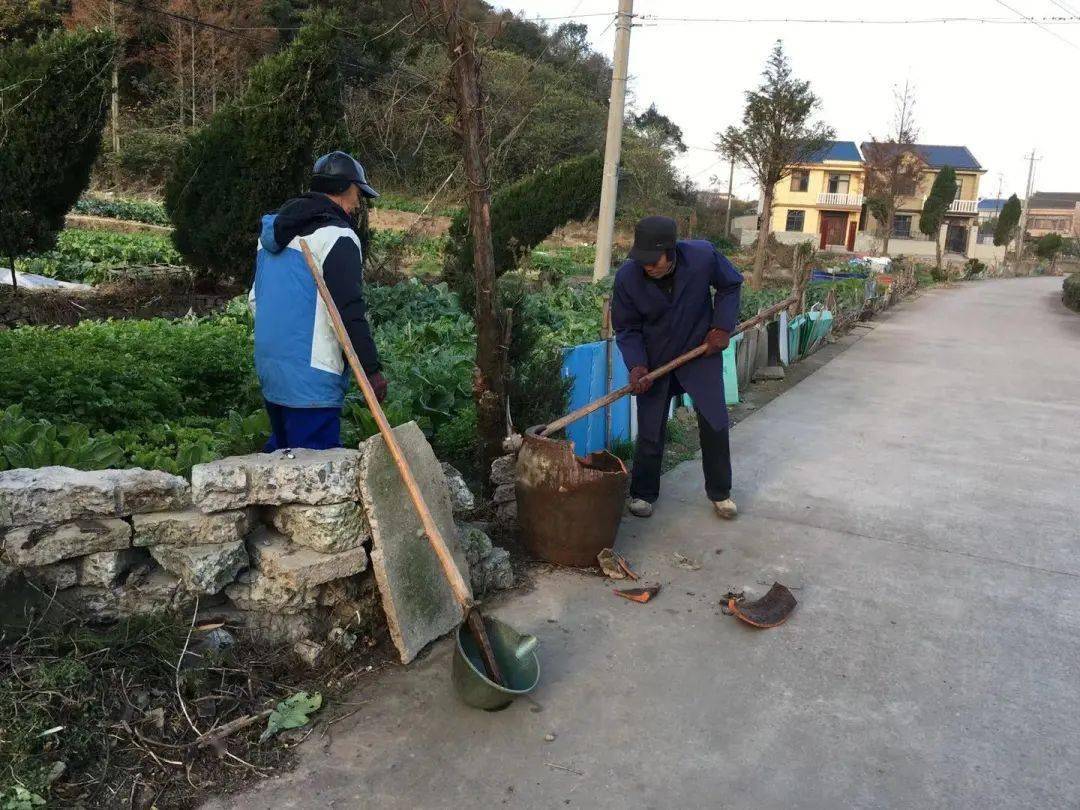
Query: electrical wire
x=1071 y=19
x=1064 y=7
x=1032 y=20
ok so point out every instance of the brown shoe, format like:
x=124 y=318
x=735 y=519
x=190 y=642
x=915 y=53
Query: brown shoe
x=726 y=509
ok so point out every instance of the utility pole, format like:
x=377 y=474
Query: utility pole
x=605 y=226
x=730 y=189
x=1024 y=211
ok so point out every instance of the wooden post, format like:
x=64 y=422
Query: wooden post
x=489 y=376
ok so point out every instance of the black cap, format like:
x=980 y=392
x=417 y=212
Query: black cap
x=653 y=237
x=334 y=172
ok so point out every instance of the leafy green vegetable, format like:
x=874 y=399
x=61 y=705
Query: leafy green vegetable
x=114 y=374
x=89 y=256
x=19 y=798
x=132 y=210
x=291 y=713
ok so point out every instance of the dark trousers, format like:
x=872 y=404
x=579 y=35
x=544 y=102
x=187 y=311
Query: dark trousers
x=715 y=463
x=311 y=428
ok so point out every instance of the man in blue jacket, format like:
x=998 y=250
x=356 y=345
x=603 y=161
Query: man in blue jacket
x=298 y=358
x=670 y=297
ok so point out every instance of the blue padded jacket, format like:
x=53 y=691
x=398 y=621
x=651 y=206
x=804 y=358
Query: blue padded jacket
x=297 y=355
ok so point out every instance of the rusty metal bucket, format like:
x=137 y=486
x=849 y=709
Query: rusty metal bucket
x=568 y=507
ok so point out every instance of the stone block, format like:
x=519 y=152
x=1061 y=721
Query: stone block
x=60 y=494
x=272 y=628
x=105 y=568
x=206 y=569
x=299 y=566
x=504 y=493
x=58 y=575
x=475 y=543
x=286 y=476
x=504 y=470
x=489 y=565
x=254 y=590
x=326 y=529
x=507 y=514
x=191 y=528
x=308 y=651
x=27 y=546
x=416 y=597
x=148 y=589
x=495 y=571
x=461 y=497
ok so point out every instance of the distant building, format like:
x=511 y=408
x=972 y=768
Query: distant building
x=1054 y=212
x=822 y=201
x=991 y=208
x=960 y=220
x=823 y=196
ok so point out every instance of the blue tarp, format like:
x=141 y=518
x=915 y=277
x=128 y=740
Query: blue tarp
x=587 y=366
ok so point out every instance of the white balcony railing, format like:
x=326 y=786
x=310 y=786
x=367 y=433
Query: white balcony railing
x=840 y=200
x=964 y=207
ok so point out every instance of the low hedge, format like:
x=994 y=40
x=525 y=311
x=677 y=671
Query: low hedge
x=1070 y=295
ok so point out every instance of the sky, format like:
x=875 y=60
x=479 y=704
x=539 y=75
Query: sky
x=999 y=88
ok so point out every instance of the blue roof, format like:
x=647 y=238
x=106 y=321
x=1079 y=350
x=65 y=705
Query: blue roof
x=992 y=204
x=837 y=150
x=959 y=157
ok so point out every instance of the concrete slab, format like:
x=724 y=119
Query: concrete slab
x=917 y=491
x=419 y=604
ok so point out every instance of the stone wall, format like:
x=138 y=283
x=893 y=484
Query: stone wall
x=274 y=543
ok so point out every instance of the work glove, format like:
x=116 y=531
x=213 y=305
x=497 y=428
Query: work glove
x=378 y=385
x=716 y=341
x=638 y=384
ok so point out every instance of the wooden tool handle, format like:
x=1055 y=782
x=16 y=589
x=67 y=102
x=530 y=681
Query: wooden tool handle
x=434 y=536
x=682 y=359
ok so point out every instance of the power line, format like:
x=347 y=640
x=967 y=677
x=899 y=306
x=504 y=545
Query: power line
x=1064 y=7
x=1073 y=18
x=1033 y=21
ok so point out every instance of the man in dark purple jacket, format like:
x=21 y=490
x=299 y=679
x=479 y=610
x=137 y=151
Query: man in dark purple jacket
x=670 y=297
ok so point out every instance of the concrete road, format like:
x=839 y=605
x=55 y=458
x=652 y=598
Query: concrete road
x=922 y=492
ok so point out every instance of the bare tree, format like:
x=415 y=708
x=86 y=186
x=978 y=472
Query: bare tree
x=892 y=168
x=777 y=133
x=489 y=374
x=209 y=65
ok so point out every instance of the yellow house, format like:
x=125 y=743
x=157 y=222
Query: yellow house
x=822 y=199
x=961 y=221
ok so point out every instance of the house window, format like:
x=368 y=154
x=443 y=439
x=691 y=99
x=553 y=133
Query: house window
x=901 y=228
x=795 y=221
x=800 y=181
x=959 y=188
x=839 y=183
